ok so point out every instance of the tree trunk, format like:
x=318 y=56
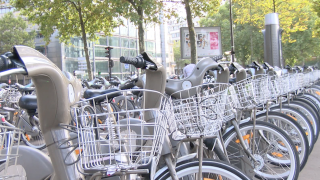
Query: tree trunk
x=141 y=30
x=85 y=45
x=192 y=34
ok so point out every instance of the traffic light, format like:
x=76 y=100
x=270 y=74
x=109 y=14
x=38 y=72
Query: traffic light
x=108 y=52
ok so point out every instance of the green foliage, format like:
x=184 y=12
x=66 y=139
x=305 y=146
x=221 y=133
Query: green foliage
x=71 y=18
x=140 y=12
x=63 y=15
x=242 y=36
x=13 y=32
x=177 y=56
x=200 y=7
x=292 y=14
x=304 y=47
x=176 y=51
x=300 y=44
x=149 y=8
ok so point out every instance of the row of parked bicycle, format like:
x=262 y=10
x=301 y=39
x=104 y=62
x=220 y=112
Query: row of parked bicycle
x=260 y=124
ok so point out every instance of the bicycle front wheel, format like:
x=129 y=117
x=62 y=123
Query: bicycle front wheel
x=211 y=169
x=293 y=130
x=275 y=155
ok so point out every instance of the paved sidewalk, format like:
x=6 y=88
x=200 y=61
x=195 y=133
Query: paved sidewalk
x=311 y=171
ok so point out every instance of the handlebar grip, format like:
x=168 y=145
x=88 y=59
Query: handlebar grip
x=217 y=58
x=138 y=61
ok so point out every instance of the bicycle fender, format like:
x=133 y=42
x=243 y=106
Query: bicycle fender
x=41 y=164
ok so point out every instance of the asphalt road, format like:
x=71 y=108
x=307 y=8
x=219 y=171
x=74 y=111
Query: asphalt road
x=312 y=169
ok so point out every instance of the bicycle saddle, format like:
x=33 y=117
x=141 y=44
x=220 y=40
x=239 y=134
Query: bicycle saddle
x=115 y=83
x=28 y=102
x=90 y=93
x=96 y=86
x=23 y=88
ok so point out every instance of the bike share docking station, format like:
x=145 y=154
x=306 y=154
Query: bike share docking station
x=272 y=41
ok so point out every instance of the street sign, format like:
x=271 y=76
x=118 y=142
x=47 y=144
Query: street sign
x=126 y=66
x=208 y=42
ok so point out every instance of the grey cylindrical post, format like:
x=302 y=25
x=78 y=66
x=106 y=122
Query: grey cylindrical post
x=163 y=41
x=272 y=41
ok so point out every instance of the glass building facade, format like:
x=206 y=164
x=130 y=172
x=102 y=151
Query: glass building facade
x=124 y=42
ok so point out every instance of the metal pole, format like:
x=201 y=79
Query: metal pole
x=94 y=57
x=162 y=38
x=231 y=33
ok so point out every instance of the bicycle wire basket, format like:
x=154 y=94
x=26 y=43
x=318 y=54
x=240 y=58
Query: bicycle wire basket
x=199 y=111
x=274 y=85
x=298 y=81
x=250 y=92
x=9 y=141
x=110 y=139
x=12 y=95
x=3 y=93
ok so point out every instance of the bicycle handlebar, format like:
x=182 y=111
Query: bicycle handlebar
x=142 y=61
x=138 y=61
x=217 y=58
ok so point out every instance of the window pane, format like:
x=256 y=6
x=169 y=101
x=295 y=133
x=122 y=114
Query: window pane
x=133 y=53
x=114 y=41
x=100 y=52
x=150 y=46
x=132 y=30
x=150 y=34
x=115 y=52
x=102 y=66
x=125 y=52
x=102 y=41
x=124 y=30
x=124 y=42
x=133 y=43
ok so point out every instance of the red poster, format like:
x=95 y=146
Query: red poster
x=214 y=40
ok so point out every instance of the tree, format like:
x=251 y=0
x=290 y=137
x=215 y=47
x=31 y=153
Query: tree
x=141 y=12
x=305 y=45
x=71 y=18
x=177 y=57
x=292 y=14
x=245 y=51
x=302 y=45
x=13 y=32
x=197 y=8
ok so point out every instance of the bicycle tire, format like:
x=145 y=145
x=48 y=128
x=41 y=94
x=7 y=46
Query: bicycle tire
x=292 y=171
x=308 y=112
x=26 y=139
x=187 y=169
x=310 y=99
x=129 y=107
x=291 y=113
x=294 y=130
